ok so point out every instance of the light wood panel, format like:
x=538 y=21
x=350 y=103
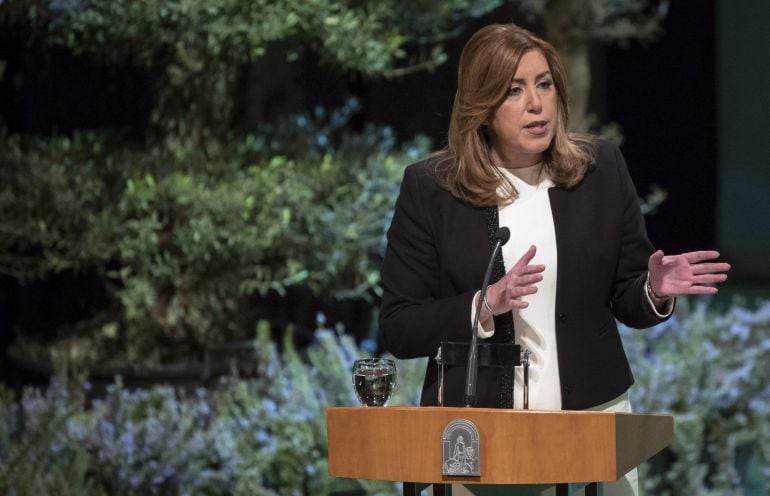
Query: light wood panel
x=517 y=446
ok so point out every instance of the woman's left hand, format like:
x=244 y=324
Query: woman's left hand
x=675 y=275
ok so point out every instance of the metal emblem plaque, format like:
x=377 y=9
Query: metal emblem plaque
x=460 y=449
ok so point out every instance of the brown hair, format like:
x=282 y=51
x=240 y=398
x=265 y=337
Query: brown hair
x=487 y=65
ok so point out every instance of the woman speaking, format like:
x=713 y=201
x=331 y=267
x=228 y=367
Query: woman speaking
x=578 y=256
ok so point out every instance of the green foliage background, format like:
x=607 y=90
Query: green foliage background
x=192 y=228
x=184 y=241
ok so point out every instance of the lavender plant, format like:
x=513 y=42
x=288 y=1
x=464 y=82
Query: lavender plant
x=266 y=435
x=710 y=370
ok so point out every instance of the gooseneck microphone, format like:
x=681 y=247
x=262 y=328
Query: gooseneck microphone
x=502 y=236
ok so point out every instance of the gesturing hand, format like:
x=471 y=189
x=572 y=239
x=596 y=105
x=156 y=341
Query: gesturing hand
x=675 y=275
x=503 y=296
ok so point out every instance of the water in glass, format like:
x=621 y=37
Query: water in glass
x=374 y=380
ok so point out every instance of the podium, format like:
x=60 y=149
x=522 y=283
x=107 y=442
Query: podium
x=516 y=446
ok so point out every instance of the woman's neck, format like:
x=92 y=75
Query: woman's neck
x=525 y=166
x=531 y=175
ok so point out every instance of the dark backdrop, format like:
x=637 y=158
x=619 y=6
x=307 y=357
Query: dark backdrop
x=662 y=94
x=664 y=97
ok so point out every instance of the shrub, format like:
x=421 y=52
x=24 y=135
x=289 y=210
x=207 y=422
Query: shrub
x=189 y=229
x=266 y=435
x=188 y=239
x=710 y=370
x=246 y=436
x=196 y=52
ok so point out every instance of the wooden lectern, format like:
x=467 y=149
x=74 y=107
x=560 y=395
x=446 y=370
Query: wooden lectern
x=517 y=446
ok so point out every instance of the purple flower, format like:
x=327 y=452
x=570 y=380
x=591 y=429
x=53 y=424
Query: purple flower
x=269 y=406
x=106 y=429
x=136 y=479
x=740 y=330
x=262 y=436
x=127 y=443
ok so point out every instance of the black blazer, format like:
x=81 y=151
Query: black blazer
x=438 y=248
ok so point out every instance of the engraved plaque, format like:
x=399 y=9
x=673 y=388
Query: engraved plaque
x=460 y=449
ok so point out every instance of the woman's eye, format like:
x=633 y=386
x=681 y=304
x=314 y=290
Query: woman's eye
x=514 y=91
x=545 y=85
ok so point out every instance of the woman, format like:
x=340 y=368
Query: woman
x=578 y=257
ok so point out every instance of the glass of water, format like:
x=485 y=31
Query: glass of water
x=374 y=380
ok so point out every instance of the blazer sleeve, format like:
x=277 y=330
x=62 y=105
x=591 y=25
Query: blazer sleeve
x=628 y=298
x=416 y=312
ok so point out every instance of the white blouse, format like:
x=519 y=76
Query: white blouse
x=530 y=220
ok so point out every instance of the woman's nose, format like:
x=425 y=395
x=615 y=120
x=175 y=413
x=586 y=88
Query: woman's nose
x=534 y=104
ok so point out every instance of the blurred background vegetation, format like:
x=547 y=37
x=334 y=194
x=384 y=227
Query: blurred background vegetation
x=178 y=174
x=219 y=205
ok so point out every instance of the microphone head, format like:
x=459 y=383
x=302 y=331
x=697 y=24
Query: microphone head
x=502 y=235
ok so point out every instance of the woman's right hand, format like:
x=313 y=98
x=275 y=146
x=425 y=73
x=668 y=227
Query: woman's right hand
x=504 y=295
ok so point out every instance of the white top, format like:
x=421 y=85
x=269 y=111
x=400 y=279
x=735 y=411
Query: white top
x=530 y=221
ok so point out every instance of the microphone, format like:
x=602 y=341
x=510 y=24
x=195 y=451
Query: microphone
x=502 y=236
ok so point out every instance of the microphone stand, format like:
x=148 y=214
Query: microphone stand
x=501 y=237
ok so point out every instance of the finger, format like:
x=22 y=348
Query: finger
x=699 y=256
x=528 y=280
x=709 y=278
x=656 y=258
x=695 y=290
x=526 y=258
x=710 y=268
x=530 y=269
x=519 y=304
x=521 y=291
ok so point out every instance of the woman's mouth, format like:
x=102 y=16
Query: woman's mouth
x=537 y=128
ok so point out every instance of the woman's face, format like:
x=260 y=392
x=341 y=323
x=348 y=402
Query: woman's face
x=523 y=126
